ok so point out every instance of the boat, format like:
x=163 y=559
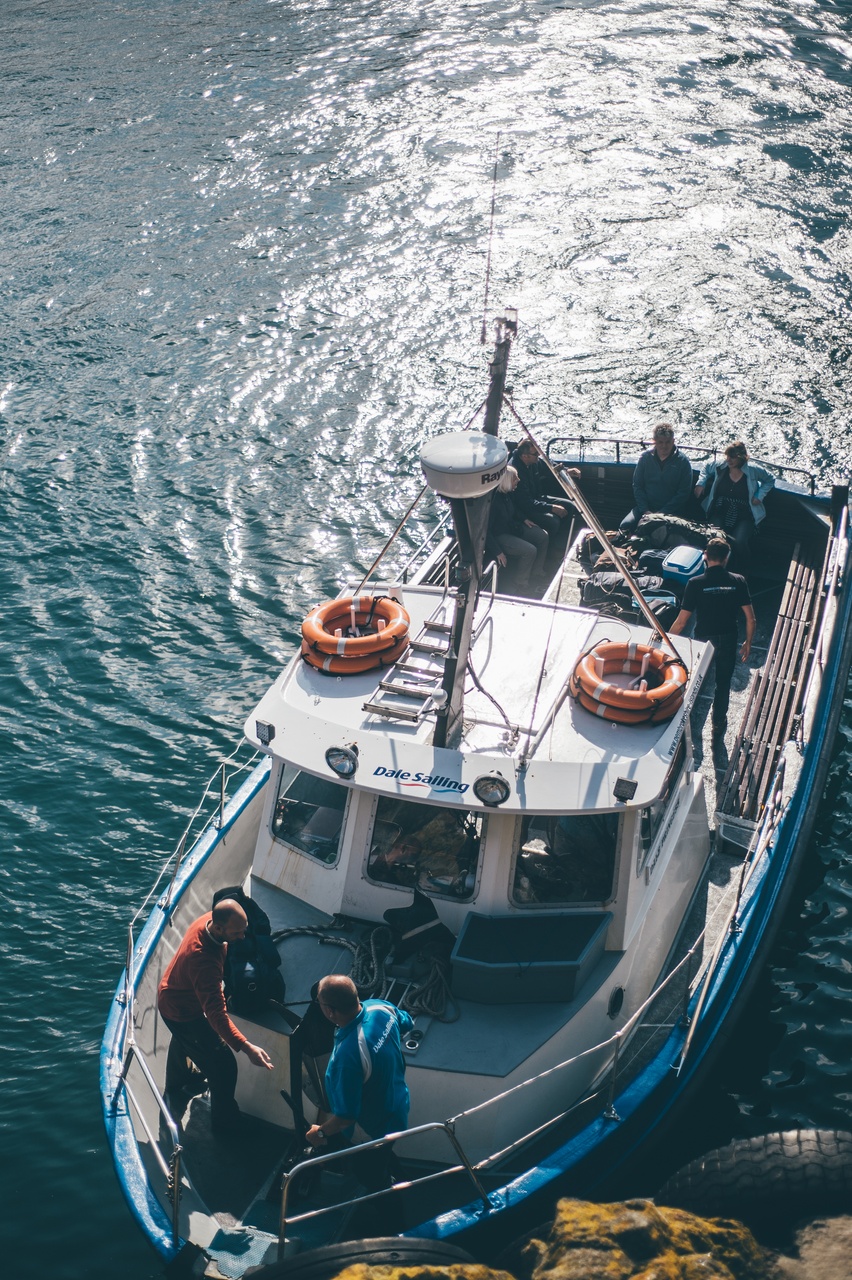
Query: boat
x=571 y=896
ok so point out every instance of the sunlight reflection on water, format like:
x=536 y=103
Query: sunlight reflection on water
x=246 y=249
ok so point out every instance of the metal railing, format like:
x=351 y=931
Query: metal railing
x=444 y=1126
x=580 y=444
x=775 y=809
x=171 y=1170
x=130 y=1051
x=173 y=863
x=837 y=565
x=448 y=1127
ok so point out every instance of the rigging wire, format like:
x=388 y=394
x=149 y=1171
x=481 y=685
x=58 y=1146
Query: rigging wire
x=490 y=240
x=572 y=491
x=390 y=540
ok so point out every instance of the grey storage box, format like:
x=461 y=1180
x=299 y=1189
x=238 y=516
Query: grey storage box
x=527 y=959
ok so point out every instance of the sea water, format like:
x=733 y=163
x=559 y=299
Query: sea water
x=244 y=253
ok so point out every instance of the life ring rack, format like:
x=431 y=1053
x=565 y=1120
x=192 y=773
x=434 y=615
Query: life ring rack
x=654 y=694
x=354 y=634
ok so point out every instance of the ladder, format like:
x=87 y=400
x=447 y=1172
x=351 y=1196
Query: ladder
x=413 y=687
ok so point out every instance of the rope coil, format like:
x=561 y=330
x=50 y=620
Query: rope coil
x=429 y=995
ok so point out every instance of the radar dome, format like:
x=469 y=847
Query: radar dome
x=463 y=464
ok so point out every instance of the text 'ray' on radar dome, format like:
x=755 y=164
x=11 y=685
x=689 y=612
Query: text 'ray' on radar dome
x=463 y=464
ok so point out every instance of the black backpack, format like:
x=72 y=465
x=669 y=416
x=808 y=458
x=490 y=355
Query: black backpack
x=252 y=968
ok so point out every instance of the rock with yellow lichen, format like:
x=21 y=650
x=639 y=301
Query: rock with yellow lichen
x=458 y=1271
x=638 y=1240
x=635 y=1240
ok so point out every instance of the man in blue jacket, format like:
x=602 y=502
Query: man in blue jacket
x=662 y=480
x=365 y=1076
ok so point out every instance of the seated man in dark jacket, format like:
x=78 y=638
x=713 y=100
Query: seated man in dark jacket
x=533 y=499
x=662 y=481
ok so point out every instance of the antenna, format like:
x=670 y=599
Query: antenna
x=490 y=239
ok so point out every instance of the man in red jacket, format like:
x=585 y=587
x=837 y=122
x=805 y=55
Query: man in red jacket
x=191 y=1001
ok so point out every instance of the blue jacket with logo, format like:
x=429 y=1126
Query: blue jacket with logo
x=365 y=1076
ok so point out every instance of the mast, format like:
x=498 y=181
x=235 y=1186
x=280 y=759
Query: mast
x=471 y=505
x=507 y=328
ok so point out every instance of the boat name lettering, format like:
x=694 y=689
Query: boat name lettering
x=688 y=704
x=432 y=781
x=651 y=866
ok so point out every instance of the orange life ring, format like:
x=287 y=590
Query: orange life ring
x=619 y=716
x=666 y=679
x=337 y=615
x=340 y=666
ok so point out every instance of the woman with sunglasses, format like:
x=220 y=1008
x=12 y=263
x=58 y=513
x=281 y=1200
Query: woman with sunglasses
x=732 y=495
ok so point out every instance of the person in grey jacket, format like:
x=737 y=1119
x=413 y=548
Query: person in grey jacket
x=662 y=480
x=732 y=494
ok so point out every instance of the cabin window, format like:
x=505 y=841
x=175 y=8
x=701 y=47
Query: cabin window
x=308 y=815
x=652 y=817
x=565 y=860
x=419 y=845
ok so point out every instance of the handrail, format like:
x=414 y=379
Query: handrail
x=178 y=851
x=391 y=540
x=490 y=568
x=176 y=856
x=698 y=451
x=761 y=842
x=181 y=845
x=436 y=530
x=171 y=1170
x=445 y=1126
x=129 y=1049
x=629 y=1026
x=838 y=567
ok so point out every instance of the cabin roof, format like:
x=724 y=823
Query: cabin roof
x=563 y=758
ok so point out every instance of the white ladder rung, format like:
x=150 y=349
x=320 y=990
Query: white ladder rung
x=409 y=690
x=397 y=713
x=414 y=682
x=430 y=646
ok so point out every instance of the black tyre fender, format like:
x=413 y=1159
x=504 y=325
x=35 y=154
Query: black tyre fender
x=770 y=1183
x=381 y=1251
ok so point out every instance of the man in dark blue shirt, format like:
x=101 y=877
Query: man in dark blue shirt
x=717 y=598
x=662 y=480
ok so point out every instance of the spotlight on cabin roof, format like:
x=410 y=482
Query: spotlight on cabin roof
x=463 y=464
x=492 y=789
x=342 y=760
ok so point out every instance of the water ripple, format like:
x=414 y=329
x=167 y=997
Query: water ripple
x=245 y=249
